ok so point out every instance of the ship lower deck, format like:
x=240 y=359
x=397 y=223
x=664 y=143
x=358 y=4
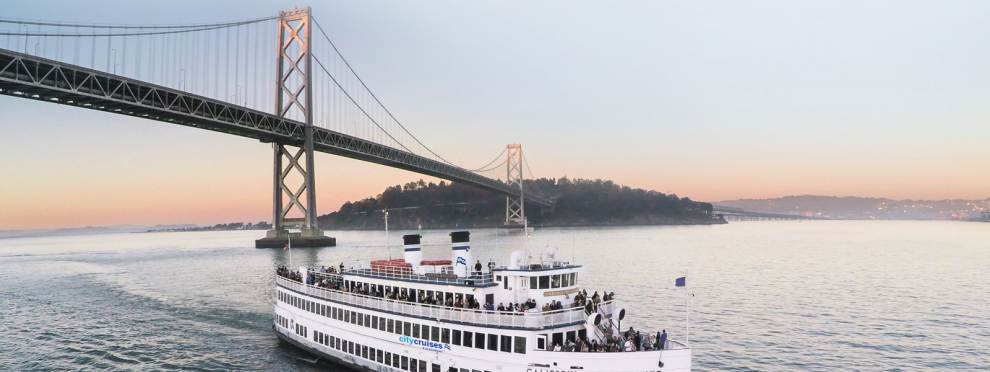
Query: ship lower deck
x=394 y=348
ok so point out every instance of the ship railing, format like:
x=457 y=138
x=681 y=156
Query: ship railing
x=526 y=320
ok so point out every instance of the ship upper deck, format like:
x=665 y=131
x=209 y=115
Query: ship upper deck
x=530 y=319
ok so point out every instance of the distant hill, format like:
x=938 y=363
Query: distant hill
x=578 y=203
x=851 y=207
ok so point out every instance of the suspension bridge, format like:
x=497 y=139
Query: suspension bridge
x=223 y=77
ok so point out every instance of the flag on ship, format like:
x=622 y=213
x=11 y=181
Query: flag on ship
x=680 y=282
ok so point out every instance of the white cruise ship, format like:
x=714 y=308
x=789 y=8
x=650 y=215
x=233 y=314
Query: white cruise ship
x=457 y=316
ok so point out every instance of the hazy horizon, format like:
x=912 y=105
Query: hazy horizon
x=712 y=101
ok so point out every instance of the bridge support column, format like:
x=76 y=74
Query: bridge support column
x=515 y=207
x=294 y=99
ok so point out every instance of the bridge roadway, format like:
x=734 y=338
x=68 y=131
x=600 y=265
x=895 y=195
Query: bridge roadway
x=27 y=76
x=739 y=212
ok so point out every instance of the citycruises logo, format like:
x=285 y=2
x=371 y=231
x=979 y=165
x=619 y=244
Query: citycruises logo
x=426 y=344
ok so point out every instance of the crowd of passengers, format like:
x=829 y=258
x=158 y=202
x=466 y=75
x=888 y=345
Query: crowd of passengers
x=631 y=340
x=581 y=299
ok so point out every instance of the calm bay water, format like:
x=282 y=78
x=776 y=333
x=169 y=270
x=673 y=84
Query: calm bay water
x=823 y=295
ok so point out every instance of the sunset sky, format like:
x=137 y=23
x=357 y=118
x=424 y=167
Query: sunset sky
x=712 y=100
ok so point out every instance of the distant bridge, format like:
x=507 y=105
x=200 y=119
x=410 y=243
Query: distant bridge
x=732 y=213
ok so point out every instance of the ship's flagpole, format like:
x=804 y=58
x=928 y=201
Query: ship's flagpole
x=289 y=248
x=681 y=282
x=687 y=314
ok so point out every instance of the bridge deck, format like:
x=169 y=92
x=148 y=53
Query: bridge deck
x=27 y=76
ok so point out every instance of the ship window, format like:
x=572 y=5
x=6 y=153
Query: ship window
x=374 y=321
x=367 y=320
x=406 y=329
x=422 y=366
x=555 y=281
x=435 y=333
x=371 y=354
x=354 y=317
x=456 y=337
x=565 y=280
x=493 y=342
x=395 y=360
x=498 y=278
x=533 y=282
x=544 y=282
x=541 y=342
x=413 y=365
x=558 y=339
x=415 y=330
x=468 y=337
x=381 y=324
x=405 y=362
x=380 y=354
x=570 y=336
x=573 y=278
x=445 y=336
x=520 y=346
x=332 y=341
x=582 y=334
x=388 y=358
x=391 y=326
x=506 y=343
x=426 y=332
x=479 y=340
x=360 y=320
x=364 y=352
x=505 y=282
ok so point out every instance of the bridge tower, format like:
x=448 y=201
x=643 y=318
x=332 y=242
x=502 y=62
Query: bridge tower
x=515 y=207
x=294 y=99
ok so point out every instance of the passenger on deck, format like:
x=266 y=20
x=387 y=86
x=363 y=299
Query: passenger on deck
x=662 y=340
x=477 y=268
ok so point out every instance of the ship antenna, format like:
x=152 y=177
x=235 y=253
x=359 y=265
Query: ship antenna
x=389 y=250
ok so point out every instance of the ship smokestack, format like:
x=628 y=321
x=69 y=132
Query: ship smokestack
x=460 y=249
x=413 y=251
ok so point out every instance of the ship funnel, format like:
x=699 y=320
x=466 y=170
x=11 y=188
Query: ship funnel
x=413 y=251
x=460 y=249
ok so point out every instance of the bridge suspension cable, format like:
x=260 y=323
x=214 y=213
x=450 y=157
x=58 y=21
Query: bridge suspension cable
x=112 y=26
x=164 y=30
x=358 y=105
x=373 y=95
x=485 y=168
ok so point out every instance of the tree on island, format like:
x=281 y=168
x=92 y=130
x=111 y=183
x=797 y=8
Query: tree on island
x=578 y=202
